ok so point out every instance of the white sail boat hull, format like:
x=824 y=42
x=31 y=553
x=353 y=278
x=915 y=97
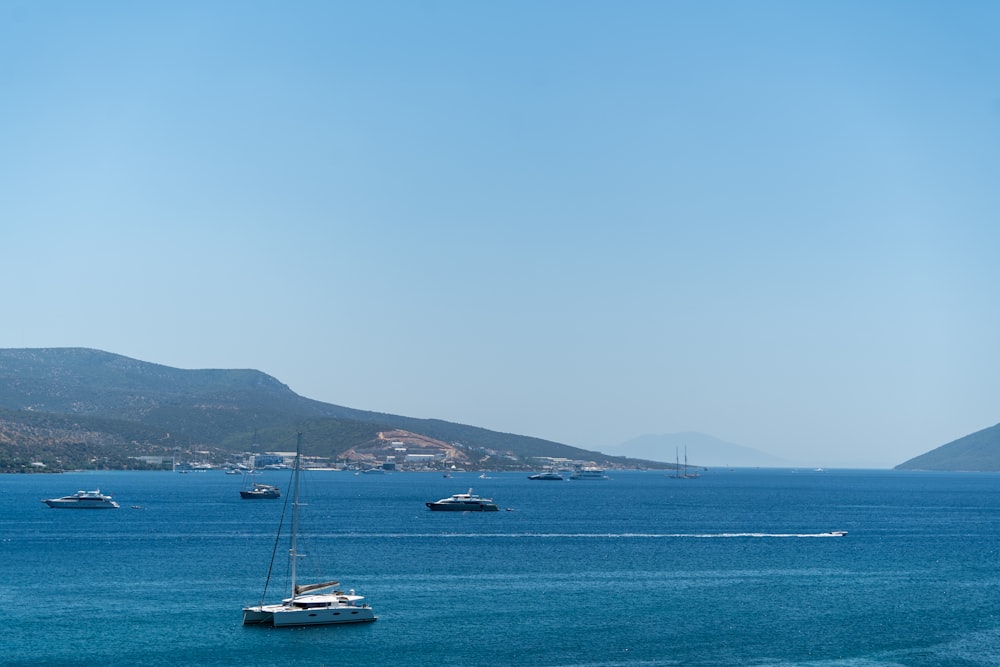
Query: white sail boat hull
x=321 y=615
x=308 y=612
x=262 y=614
x=322 y=609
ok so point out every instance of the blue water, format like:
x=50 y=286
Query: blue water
x=641 y=569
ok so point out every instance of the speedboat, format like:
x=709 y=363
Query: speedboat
x=259 y=491
x=464 y=502
x=83 y=500
x=551 y=475
x=589 y=473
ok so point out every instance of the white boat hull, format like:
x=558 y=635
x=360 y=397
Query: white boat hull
x=463 y=507
x=258 y=615
x=289 y=616
x=83 y=500
x=81 y=505
x=589 y=473
x=285 y=615
x=464 y=502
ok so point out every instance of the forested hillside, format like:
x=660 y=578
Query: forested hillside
x=72 y=407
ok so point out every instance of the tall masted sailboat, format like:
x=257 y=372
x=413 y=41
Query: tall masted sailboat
x=306 y=606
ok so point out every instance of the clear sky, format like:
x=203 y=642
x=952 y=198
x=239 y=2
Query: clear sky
x=773 y=222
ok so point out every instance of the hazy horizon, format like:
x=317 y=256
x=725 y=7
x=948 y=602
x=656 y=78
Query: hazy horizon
x=774 y=223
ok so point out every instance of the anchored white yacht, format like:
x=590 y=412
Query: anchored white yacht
x=464 y=502
x=83 y=500
x=589 y=473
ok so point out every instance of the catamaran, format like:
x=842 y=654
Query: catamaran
x=307 y=605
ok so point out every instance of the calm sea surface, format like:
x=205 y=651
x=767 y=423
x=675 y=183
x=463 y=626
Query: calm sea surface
x=641 y=569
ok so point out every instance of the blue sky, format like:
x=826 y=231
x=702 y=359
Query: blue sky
x=772 y=222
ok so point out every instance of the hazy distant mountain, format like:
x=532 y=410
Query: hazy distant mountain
x=702 y=450
x=73 y=407
x=979 y=451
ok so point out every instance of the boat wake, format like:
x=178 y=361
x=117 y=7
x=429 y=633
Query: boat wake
x=835 y=533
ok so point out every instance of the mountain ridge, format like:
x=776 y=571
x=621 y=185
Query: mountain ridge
x=976 y=452
x=699 y=448
x=81 y=407
x=68 y=401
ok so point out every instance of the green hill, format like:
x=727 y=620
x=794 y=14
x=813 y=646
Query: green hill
x=979 y=451
x=78 y=407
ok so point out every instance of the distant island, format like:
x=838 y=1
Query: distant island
x=976 y=452
x=703 y=449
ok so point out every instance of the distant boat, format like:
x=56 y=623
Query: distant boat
x=260 y=492
x=589 y=472
x=686 y=473
x=254 y=490
x=306 y=606
x=464 y=502
x=83 y=500
x=551 y=475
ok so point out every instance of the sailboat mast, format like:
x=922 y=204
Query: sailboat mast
x=295 y=509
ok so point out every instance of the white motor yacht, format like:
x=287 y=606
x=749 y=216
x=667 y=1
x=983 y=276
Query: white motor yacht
x=83 y=500
x=589 y=473
x=550 y=475
x=464 y=502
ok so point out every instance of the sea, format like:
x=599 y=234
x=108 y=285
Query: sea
x=735 y=567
